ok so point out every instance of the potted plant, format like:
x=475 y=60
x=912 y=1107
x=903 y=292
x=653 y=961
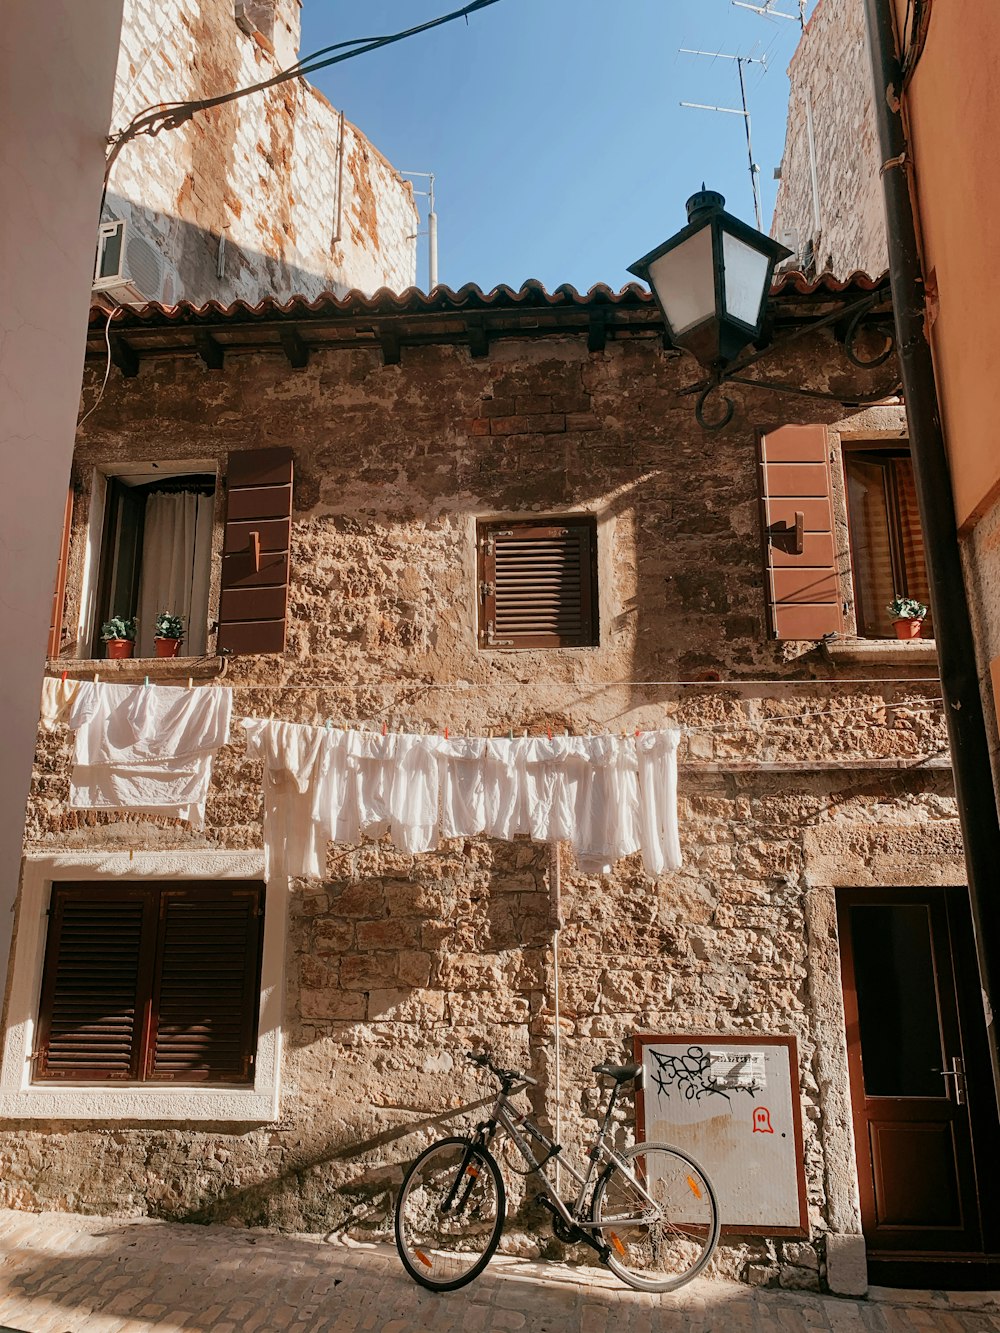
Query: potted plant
x=119 y=634
x=169 y=634
x=907 y=616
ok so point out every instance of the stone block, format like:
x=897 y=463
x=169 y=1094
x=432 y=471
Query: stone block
x=846 y=1265
x=362 y=971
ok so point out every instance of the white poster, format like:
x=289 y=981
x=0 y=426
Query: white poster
x=732 y=1103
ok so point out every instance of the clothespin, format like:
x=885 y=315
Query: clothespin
x=385 y=729
x=131 y=853
x=510 y=733
x=145 y=683
x=329 y=724
x=190 y=682
x=638 y=733
x=64 y=674
x=96 y=677
x=549 y=730
x=446 y=733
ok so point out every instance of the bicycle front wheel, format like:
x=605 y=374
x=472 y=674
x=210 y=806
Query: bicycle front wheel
x=658 y=1215
x=449 y=1214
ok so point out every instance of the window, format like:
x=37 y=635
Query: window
x=156 y=555
x=887 y=546
x=538 y=583
x=150 y=982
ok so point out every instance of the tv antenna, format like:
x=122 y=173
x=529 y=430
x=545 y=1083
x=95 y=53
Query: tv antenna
x=735 y=111
x=766 y=8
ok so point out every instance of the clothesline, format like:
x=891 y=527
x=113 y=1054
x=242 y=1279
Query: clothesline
x=919 y=704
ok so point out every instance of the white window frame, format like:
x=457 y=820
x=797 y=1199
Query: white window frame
x=21 y=1099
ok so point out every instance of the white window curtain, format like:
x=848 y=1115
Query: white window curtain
x=176 y=568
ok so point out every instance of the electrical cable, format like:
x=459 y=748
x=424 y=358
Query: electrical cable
x=107 y=368
x=171 y=115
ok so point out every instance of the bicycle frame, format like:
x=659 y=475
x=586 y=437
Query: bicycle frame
x=506 y=1116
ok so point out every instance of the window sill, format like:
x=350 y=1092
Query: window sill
x=880 y=652
x=134 y=670
x=109 y=1102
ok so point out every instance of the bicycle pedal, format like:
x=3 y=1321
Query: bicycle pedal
x=545 y=1202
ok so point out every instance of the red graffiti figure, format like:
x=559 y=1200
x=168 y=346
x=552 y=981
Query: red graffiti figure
x=762 y=1120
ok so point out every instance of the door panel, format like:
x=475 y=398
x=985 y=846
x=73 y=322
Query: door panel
x=905 y=1036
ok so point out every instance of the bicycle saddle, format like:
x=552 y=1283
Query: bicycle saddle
x=620 y=1073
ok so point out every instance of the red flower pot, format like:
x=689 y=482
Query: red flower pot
x=119 y=648
x=167 y=647
x=908 y=629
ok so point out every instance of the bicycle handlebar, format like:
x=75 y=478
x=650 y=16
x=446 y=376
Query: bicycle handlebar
x=504 y=1075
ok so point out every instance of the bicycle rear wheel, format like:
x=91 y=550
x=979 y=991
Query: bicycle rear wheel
x=450 y=1214
x=658 y=1216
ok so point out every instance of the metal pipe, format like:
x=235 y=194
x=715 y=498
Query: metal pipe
x=338 y=216
x=813 y=173
x=963 y=705
x=555 y=886
x=432 y=245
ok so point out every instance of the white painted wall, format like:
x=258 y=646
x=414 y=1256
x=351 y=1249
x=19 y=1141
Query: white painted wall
x=57 y=68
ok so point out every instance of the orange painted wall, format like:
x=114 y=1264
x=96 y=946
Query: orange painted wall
x=953 y=111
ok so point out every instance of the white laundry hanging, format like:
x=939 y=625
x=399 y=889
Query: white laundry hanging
x=657 y=756
x=293 y=840
x=608 y=796
x=146 y=747
x=607 y=814
x=463 y=789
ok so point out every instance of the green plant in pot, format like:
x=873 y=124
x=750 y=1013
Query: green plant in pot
x=119 y=635
x=169 y=634
x=907 y=616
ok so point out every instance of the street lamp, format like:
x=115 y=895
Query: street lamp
x=711 y=282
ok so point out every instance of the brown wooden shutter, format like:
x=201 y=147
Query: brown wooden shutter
x=59 y=592
x=804 y=599
x=538 y=584
x=207 y=984
x=98 y=964
x=255 y=553
x=155 y=981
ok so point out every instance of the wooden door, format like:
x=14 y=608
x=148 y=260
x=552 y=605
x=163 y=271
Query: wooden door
x=918 y=1067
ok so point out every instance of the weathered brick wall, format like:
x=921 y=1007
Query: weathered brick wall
x=397 y=964
x=264 y=172
x=831 y=69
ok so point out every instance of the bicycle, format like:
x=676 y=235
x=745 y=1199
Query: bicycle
x=652 y=1215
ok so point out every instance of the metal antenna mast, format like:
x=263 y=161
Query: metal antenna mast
x=765 y=8
x=733 y=111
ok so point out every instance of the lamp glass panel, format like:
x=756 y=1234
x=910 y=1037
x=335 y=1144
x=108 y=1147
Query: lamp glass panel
x=684 y=281
x=745 y=278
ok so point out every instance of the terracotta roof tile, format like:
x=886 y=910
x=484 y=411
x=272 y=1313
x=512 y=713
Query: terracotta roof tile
x=470 y=297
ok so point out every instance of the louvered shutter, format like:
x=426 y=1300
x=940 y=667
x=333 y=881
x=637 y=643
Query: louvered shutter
x=59 y=591
x=538 y=584
x=95 y=987
x=207 y=984
x=255 y=554
x=804 y=598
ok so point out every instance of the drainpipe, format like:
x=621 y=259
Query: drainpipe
x=963 y=706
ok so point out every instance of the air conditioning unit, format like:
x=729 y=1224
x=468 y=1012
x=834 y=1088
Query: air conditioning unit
x=789 y=238
x=129 y=269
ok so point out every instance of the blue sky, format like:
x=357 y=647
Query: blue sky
x=554 y=127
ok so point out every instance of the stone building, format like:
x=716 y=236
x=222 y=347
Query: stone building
x=272 y=195
x=816 y=811
x=951 y=108
x=829 y=203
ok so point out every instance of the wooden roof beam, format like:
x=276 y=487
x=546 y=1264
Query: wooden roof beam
x=208 y=349
x=294 y=347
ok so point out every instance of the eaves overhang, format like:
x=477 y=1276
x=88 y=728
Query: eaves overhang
x=389 y=321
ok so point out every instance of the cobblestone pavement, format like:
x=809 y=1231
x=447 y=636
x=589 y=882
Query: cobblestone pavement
x=60 y=1273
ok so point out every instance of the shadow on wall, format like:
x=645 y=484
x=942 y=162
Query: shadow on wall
x=167 y=259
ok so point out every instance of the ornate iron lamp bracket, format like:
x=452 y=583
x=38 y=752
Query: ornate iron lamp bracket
x=847 y=322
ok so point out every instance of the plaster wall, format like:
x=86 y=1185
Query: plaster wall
x=952 y=108
x=51 y=161
x=397 y=964
x=259 y=197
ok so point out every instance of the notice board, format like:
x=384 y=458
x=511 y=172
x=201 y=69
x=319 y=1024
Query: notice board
x=733 y=1104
